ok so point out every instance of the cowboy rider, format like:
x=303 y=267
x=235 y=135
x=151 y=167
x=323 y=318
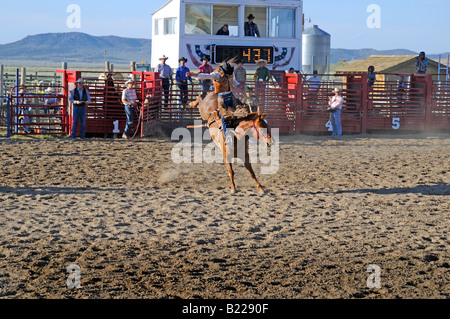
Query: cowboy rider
x=224 y=82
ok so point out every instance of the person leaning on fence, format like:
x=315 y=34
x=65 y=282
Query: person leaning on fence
x=24 y=110
x=313 y=83
x=129 y=100
x=182 y=80
x=262 y=75
x=401 y=89
x=80 y=98
x=240 y=74
x=371 y=76
x=166 y=75
x=50 y=102
x=205 y=68
x=335 y=108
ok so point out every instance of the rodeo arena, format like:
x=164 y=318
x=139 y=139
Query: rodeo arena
x=333 y=216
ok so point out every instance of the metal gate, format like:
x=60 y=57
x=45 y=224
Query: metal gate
x=313 y=114
x=440 y=106
x=392 y=107
x=5 y=118
x=38 y=110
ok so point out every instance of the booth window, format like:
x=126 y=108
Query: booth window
x=226 y=15
x=260 y=14
x=157 y=29
x=198 y=19
x=169 y=25
x=282 y=23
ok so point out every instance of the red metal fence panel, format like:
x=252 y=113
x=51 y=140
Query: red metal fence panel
x=440 y=106
x=394 y=108
x=37 y=110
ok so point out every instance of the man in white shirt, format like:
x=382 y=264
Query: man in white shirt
x=335 y=107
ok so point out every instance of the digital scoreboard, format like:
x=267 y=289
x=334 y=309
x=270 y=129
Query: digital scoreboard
x=248 y=54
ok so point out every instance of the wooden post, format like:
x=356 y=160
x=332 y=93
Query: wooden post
x=107 y=66
x=22 y=78
x=1 y=84
x=132 y=69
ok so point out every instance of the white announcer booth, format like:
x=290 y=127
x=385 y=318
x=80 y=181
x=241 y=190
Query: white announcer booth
x=188 y=28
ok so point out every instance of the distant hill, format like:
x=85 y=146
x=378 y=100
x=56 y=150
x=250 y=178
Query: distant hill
x=77 y=47
x=82 y=48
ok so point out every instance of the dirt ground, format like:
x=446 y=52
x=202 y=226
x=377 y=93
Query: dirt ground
x=140 y=226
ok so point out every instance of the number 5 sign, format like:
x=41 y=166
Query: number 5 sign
x=396 y=123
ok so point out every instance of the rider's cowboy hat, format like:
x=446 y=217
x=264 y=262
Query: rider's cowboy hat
x=163 y=57
x=251 y=17
x=183 y=59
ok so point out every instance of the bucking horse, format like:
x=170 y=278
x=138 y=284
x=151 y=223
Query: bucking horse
x=247 y=124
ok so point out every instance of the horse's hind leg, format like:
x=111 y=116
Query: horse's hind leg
x=230 y=169
x=249 y=167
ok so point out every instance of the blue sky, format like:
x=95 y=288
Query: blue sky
x=408 y=24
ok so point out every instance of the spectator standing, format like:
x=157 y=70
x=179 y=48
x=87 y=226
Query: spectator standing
x=129 y=100
x=223 y=30
x=251 y=28
x=24 y=110
x=182 y=80
x=205 y=68
x=335 y=107
x=401 y=89
x=371 y=76
x=261 y=77
x=313 y=83
x=166 y=75
x=50 y=102
x=240 y=74
x=421 y=63
x=80 y=98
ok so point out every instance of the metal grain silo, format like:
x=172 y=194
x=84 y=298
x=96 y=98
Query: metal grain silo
x=316 y=50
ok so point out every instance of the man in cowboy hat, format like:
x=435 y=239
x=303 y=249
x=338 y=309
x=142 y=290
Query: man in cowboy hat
x=182 y=80
x=166 y=75
x=251 y=28
x=50 y=101
x=129 y=100
x=224 y=82
x=335 y=107
x=80 y=98
x=206 y=69
x=262 y=74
